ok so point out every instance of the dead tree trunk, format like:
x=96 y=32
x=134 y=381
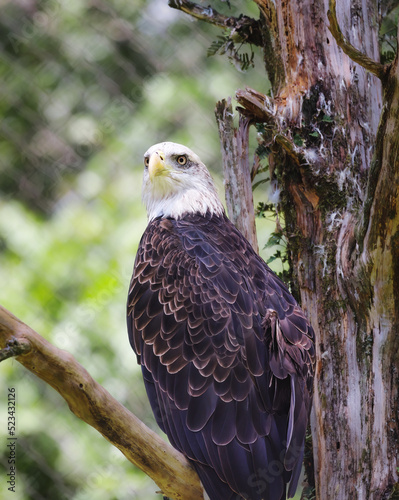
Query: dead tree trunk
x=340 y=203
x=331 y=131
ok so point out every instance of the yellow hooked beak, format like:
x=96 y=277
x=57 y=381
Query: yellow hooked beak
x=156 y=165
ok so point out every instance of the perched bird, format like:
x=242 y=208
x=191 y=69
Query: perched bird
x=226 y=352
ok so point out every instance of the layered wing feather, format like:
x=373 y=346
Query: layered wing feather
x=227 y=356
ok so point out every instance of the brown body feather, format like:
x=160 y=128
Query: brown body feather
x=227 y=356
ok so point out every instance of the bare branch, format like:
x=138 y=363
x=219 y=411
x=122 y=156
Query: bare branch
x=256 y=106
x=356 y=55
x=245 y=28
x=260 y=109
x=199 y=12
x=234 y=143
x=89 y=401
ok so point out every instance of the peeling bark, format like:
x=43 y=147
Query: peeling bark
x=237 y=174
x=381 y=252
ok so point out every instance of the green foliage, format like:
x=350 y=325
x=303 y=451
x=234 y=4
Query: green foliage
x=309 y=493
x=278 y=243
x=66 y=92
x=227 y=45
x=394 y=493
x=217 y=44
x=327 y=119
x=274 y=251
x=298 y=141
x=275 y=239
x=263 y=209
x=388 y=32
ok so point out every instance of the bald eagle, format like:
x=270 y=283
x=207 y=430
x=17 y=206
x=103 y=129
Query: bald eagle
x=226 y=352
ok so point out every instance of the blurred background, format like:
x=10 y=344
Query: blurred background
x=85 y=89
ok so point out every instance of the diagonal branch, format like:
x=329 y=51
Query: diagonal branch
x=378 y=69
x=207 y=14
x=247 y=29
x=89 y=401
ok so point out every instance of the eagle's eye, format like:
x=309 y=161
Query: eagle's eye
x=182 y=160
x=146 y=161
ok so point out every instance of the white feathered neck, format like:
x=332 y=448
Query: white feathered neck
x=182 y=190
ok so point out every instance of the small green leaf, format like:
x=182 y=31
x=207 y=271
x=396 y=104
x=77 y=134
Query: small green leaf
x=262 y=151
x=327 y=119
x=274 y=239
x=298 y=141
x=217 y=45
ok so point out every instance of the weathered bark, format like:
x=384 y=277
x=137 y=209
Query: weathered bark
x=347 y=285
x=381 y=255
x=237 y=175
x=332 y=131
x=93 y=404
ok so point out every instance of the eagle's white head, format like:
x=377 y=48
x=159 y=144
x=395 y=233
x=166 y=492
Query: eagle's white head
x=177 y=183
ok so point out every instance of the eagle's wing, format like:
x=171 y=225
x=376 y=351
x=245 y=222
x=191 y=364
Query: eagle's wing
x=226 y=355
